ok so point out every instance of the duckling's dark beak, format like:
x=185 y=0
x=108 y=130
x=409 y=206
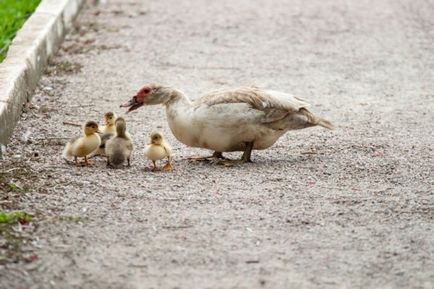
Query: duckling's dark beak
x=133 y=104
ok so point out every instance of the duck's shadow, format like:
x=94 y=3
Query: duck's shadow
x=258 y=162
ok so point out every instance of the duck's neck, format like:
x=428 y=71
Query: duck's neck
x=89 y=134
x=121 y=133
x=178 y=112
x=177 y=99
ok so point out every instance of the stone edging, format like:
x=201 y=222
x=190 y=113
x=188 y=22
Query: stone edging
x=21 y=70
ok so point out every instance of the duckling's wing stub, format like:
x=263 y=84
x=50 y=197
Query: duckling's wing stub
x=167 y=149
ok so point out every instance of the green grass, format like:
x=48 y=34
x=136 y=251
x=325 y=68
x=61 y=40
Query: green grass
x=13 y=14
x=14 y=242
x=14 y=217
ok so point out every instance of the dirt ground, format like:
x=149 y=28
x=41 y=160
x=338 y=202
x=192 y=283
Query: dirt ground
x=350 y=208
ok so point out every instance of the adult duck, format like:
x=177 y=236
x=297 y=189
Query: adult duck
x=241 y=119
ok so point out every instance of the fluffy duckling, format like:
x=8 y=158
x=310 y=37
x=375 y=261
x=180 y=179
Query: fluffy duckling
x=159 y=149
x=109 y=127
x=119 y=148
x=85 y=145
x=107 y=131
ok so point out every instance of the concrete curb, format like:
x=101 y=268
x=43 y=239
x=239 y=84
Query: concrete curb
x=36 y=41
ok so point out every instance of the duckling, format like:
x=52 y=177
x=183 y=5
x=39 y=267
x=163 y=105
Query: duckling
x=107 y=131
x=159 y=149
x=119 y=148
x=85 y=145
x=109 y=127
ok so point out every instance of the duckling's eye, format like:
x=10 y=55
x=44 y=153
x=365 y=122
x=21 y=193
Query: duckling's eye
x=146 y=90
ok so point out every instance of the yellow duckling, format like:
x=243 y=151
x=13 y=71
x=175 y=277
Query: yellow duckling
x=109 y=127
x=85 y=145
x=107 y=131
x=119 y=148
x=159 y=149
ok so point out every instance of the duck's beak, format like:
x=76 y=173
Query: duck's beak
x=133 y=104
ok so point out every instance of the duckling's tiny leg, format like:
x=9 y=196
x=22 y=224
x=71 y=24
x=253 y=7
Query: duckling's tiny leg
x=155 y=168
x=128 y=162
x=76 y=161
x=108 y=161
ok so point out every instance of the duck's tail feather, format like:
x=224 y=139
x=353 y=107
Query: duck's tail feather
x=325 y=123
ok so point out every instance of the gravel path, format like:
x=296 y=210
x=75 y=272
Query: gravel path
x=352 y=208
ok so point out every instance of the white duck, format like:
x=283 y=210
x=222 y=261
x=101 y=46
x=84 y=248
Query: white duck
x=241 y=119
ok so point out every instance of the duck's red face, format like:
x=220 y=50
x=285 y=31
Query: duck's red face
x=139 y=99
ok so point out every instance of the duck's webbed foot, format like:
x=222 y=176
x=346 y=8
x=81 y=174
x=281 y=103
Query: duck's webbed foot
x=230 y=163
x=214 y=156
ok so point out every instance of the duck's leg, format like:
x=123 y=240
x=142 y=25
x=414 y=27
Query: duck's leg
x=247 y=153
x=246 y=158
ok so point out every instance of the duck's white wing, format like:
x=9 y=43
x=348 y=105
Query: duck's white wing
x=274 y=104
